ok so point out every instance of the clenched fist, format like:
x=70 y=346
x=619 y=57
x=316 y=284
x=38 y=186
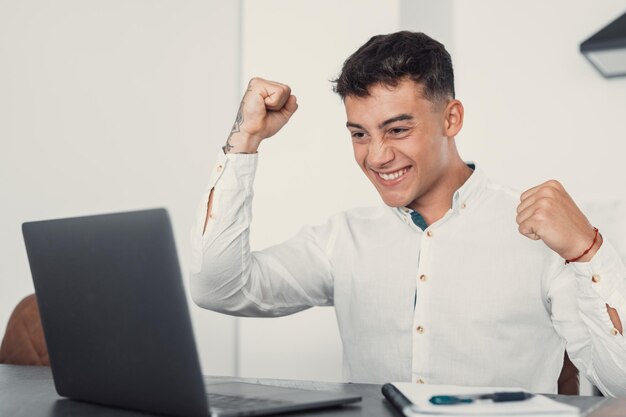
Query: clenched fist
x=265 y=108
x=547 y=212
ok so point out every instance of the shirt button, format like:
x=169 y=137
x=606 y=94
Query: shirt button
x=211 y=216
x=405 y=209
x=419 y=381
x=464 y=205
x=429 y=233
x=595 y=278
x=419 y=329
x=423 y=278
x=219 y=168
x=614 y=332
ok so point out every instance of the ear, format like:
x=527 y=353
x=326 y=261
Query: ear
x=453 y=118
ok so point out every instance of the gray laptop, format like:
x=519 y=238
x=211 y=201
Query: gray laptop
x=117 y=326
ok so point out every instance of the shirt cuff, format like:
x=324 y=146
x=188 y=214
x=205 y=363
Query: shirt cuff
x=233 y=171
x=606 y=274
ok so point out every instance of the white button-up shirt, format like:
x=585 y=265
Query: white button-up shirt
x=468 y=301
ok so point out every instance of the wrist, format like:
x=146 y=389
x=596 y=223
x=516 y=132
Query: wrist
x=241 y=142
x=588 y=249
x=594 y=249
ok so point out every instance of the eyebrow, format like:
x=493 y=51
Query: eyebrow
x=394 y=119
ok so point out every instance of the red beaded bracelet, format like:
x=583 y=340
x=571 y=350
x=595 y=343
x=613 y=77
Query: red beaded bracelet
x=595 y=238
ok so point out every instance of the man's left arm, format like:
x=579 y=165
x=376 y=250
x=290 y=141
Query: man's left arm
x=548 y=213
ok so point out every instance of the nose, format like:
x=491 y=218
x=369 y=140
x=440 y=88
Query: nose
x=379 y=154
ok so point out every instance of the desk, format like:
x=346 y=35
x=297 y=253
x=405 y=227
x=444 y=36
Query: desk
x=28 y=391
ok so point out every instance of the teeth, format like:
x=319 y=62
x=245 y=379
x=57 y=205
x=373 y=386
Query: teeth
x=393 y=175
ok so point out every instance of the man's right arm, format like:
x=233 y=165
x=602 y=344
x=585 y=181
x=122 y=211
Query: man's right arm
x=265 y=108
x=226 y=275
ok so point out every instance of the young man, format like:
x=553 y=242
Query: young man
x=446 y=283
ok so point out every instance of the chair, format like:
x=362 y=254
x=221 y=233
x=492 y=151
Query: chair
x=24 y=342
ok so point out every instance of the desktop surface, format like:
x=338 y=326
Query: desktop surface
x=29 y=391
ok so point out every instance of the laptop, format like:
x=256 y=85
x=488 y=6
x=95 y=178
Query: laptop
x=117 y=325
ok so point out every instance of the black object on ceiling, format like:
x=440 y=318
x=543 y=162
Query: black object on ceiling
x=606 y=50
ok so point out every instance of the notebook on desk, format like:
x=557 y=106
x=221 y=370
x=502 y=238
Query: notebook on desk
x=117 y=326
x=416 y=400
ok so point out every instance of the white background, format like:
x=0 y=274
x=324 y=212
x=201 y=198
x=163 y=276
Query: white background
x=116 y=105
x=109 y=106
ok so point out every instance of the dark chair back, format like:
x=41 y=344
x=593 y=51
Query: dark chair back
x=24 y=342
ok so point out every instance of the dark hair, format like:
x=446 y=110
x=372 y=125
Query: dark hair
x=387 y=59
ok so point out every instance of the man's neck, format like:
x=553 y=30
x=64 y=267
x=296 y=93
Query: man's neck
x=434 y=207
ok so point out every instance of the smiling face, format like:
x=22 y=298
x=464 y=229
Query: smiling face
x=404 y=144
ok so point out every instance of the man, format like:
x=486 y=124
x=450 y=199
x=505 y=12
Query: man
x=446 y=283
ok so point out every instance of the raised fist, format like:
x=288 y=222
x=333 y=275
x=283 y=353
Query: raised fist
x=265 y=108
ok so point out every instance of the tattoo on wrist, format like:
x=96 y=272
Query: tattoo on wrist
x=236 y=128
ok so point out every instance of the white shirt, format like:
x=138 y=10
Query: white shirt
x=468 y=301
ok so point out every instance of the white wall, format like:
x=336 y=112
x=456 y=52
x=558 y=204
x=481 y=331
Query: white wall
x=535 y=108
x=431 y=17
x=107 y=106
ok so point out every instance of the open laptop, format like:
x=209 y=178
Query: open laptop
x=117 y=326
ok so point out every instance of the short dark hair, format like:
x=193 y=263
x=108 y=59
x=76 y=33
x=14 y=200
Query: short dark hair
x=388 y=59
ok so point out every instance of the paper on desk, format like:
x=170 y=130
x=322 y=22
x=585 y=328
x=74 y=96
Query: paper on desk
x=419 y=394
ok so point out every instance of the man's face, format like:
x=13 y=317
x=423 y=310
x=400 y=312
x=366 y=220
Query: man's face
x=400 y=143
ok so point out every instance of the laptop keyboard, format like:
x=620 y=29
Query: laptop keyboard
x=236 y=402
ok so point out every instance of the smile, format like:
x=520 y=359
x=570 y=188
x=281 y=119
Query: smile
x=390 y=176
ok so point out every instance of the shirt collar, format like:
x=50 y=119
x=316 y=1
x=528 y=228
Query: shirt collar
x=472 y=187
x=462 y=197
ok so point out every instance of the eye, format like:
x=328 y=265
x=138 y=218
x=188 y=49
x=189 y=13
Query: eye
x=398 y=132
x=357 y=135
